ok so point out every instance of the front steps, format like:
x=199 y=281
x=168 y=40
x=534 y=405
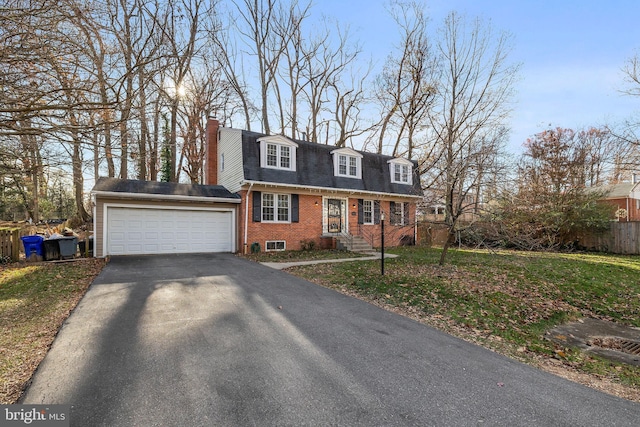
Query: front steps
x=352 y=243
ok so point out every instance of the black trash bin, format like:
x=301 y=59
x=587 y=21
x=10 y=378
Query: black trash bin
x=51 y=249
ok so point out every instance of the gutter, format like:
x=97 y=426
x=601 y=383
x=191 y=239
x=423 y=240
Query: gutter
x=335 y=190
x=149 y=196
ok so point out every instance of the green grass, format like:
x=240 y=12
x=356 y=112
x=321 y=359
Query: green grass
x=34 y=301
x=503 y=300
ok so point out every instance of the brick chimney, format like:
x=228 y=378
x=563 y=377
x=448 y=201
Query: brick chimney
x=211 y=153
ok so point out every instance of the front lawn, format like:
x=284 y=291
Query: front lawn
x=35 y=299
x=504 y=300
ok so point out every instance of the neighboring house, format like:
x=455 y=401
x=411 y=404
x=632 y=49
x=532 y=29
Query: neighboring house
x=432 y=208
x=625 y=196
x=262 y=191
x=294 y=192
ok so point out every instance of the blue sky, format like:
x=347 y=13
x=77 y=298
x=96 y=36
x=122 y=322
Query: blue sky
x=571 y=52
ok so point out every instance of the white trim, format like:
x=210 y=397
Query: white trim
x=401 y=162
x=164 y=197
x=344 y=213
x=106 y=206
x=279 y=141
x=275 y=208
x=348 y=154
x=373 y=210
x=266 y=242
x=347 y=151
x=330 y=189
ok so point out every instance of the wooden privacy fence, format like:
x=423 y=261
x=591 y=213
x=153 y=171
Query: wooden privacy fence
x=621 y=238
x=10 y=244
x=430 y=234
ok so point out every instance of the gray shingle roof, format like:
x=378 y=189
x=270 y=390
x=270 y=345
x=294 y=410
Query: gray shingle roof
x=115 y=185
x=314 y=168
x=616 y=191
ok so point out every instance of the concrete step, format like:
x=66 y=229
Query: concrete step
x=353 y=244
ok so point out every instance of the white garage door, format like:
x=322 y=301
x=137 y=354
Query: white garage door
x=133 y=231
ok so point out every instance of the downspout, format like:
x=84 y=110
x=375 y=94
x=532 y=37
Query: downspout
x=415 y=226
x=94 y=209
x=627 y=218
x=246 y=217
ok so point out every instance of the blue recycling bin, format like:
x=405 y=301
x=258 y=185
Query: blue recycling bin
x=33 y=246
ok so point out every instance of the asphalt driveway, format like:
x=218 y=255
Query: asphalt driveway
x=216 y=340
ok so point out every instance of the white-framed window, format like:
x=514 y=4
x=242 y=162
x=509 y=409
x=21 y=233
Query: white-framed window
x=222 y=162
x=277 y=152
x=278 y=156
x=367 y=211
x=348 y=166
x=275 y=245
x=347 y=163
x=276 y=207
x=401 y=171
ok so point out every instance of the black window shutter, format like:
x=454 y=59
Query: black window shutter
x=295 y=208
x=257 y=206
x=360 y=211
x=392 y=213
x=405 y=209
x=376 y=212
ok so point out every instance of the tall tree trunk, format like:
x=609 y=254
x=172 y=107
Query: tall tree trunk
x=144 y=128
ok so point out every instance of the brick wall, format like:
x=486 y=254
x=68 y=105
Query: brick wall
x=628 y=204
x=309 y=226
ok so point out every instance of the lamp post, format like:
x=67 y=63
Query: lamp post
x=382 y=243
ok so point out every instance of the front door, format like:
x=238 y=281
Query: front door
x=335 y=223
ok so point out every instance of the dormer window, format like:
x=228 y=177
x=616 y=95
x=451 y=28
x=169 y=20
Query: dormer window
x=347 y=163
x=401 y=171
x=277 y=152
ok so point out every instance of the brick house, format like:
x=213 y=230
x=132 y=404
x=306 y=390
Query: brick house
x=262 y=191
x=625 y=196
x=294 y=192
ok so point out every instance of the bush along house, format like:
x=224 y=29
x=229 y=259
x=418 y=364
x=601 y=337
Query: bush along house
x=297 y=194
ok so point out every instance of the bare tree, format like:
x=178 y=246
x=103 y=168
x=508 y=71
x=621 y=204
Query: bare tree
x=348 y=102
x=405 y=88
x=325 y=60
x=472 y=101
x=293 y=57
x=232 y=66
x=265 y=44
